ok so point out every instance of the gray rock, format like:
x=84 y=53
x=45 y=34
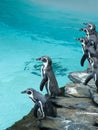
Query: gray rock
x=75 y=110
x=77 y=90
x=79 y=126
x=94 y=96
x=78 y=77
x=96 y=122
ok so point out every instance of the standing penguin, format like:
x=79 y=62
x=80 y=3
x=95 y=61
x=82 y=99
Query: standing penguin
x=89 y=49
x=94 y=72
x=84 y=42
x=49 y=79
x=42 y=103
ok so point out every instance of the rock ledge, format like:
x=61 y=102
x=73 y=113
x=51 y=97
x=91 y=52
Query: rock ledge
x=77 y=109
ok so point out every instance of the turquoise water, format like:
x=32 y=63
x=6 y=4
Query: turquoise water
x=30 y=29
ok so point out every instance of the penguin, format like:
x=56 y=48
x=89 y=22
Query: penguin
x=42 y=103
x=39 y=101
x=94 y=72
x=84 y=42
x=89 y=49
x=49 y=79
x=91 y=32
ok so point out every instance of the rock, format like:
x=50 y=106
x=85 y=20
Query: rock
x=79 y=126
x=94 y=96
x=96 y=122
x=77 y=90
x=78 y=77
x=75 y=113
x=50 y=110
x=72 y=103
x=65 y=124
x=26 y=123
x=75 y=109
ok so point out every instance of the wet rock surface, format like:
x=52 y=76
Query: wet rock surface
x=77 y=109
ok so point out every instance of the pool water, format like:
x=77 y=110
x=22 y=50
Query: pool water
x=28 y=30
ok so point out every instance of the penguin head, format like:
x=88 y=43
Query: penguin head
x=46 y=60
x=91 y=26
x=30 y=92
x=86 y=30
x=83 y=40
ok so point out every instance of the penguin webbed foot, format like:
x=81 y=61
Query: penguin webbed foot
x=38 y=58
x=89 y=70
x=81 y=29
x=41 y=118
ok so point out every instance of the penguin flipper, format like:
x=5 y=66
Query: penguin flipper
x=88 y=78
x=84 y=57
x=44 y=80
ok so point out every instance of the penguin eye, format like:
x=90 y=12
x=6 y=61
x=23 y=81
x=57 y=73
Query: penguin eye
x=85 y=30
x=90 y=26
x=29 y=92
x=44 y=60
x=82 y=40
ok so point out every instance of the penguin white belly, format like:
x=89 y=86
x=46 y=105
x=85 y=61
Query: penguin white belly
x=95 y=77
x=41 y=109
x=42 y=71
x=48 y=89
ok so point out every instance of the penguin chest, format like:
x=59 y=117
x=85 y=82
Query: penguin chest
x=83 y=46
x=43 y=71
x=48 y=87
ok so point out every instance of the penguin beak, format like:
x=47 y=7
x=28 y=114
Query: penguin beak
x=39 y=58
x=43 y=59
x=83 y=29
x=23 y=92
x=88 y=25
x=80 y=39
x=85 y=23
